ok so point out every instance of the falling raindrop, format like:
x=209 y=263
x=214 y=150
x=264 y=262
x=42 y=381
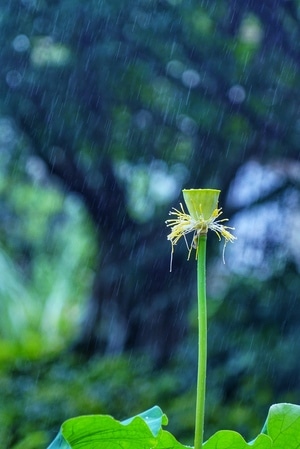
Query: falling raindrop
x=29 y=3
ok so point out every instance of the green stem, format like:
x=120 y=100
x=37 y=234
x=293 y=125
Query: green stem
x=202 y=342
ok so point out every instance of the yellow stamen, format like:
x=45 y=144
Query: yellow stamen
x=183 y=224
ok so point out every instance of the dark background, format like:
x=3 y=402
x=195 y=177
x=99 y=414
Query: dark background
x=107 y=110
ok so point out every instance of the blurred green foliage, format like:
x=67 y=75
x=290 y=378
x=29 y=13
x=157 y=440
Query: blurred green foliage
x=244 y=378
x=39 y=396
x=47 y=258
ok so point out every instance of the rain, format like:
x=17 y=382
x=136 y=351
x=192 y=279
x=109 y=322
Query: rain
x=108 y=109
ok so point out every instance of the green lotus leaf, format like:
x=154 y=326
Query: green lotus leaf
x=283 y=426
x=228 y=439
x=101 y=431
